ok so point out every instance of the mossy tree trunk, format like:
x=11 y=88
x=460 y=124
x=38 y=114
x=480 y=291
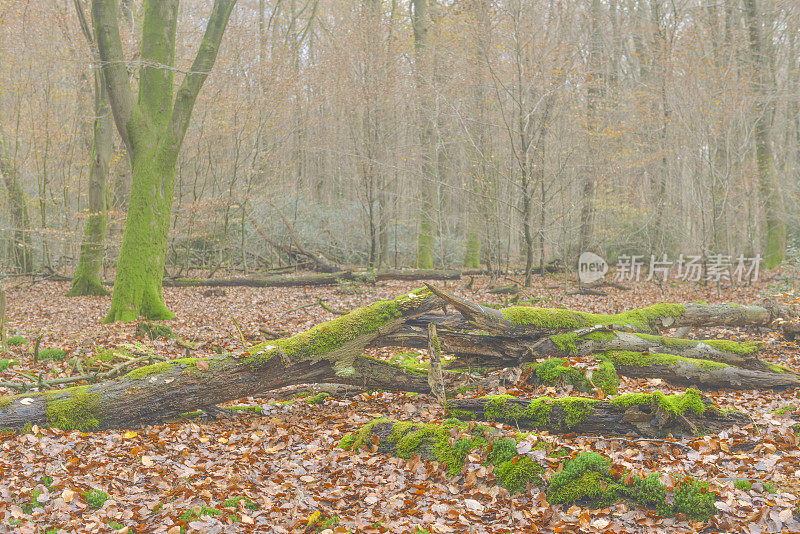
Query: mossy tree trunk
x=87 y=276
x=328 y=353
x=152 y=127
x=333 y=353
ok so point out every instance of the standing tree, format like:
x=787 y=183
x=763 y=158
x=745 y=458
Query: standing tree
x=152 y=127
x=20 y=244
x=764 y=109
x=422 y=76
x=87 y=277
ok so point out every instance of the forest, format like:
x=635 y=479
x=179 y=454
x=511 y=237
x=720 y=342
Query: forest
x=421 y=266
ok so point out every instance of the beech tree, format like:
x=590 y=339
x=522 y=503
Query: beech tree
x=87 y=276
x=152 y=127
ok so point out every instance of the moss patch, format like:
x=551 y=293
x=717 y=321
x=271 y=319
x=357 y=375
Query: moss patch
x=147 y=370
x=563 y=319
x=674 y=404
x=5 y=363
x=95 y=498
x=74 y=409
x=606 y=378
x=587 y=480
x=640 y=359
x=439 y=443
x=410 y=363
x=319 y=398
x=16 y=340
x=329 y=336
x=537 y=413
x=554 y=371
x=55 y=355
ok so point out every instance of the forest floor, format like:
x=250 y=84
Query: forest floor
x=281 y=470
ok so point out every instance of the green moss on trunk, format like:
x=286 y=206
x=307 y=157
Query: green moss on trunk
x=74 y=409
x=563 y=319
x=140 y=268
x=639 y=359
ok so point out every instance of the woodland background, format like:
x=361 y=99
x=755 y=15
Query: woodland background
x=624 y=126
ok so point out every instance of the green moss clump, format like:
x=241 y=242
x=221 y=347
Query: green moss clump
x=16 y=340
x=743 y=484
x=537 y=414
x=606 y=378
x=566 y=341
x=347 y=441
x=791 y=408
x=587 y=480
x=515 y=475
x=553 y=371
x=5 y=363
x=233 y=502
x=192 y=515
x=410 y=363
x=694 y=500
x=584 y=480
x=563 y=319
x=153 y=330
x=55 y=355
x=319 y=398
x=674 y=404
x=736 y=347
x=329 y=336
x=147 y=370
x=74 y=409
x=95 y=498
x=775 y=368
x=639 y=359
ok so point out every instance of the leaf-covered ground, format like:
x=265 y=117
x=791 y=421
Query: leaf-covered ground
x=280 y=470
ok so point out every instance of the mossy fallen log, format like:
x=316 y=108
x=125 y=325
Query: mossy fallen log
x=634 y=414
x=522 y=320
x=518 y=462
x=328 y=353
x=703 y=374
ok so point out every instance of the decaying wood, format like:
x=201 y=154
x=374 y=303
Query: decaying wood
x=442 y=323
x=320 y=279
x=606 y=418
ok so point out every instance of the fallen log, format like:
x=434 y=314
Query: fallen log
x=587 y=478
x=328 y=353
x=703 y=374
x=634 y=414
x=321 y=279
x=531 y=320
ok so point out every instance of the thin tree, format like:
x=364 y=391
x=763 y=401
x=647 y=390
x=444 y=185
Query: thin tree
x=87 y=277
x=775 y=227
x=152 y=126
x=422 y=76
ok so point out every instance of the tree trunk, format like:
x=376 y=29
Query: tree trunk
x=651 y=415
x=422 y=79
x=767 y=185
x=20 y=245
x=152 y=128
x=330 y=352
x=140 y=268
x=87 y=276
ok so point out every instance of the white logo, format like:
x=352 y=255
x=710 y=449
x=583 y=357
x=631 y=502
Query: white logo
x=591 y=267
